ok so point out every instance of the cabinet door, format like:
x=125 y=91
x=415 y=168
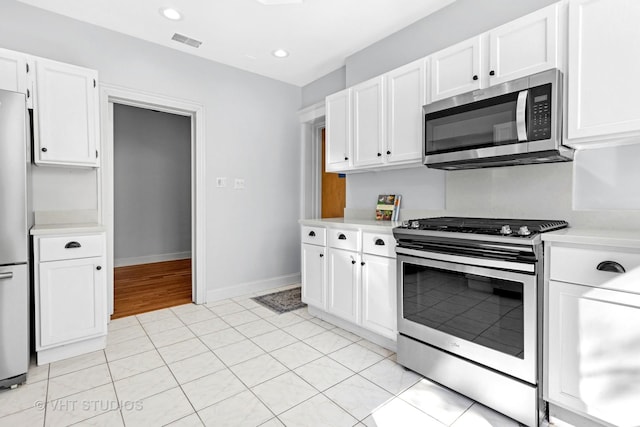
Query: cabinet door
x=13 y=71
x=594 y=368
x=368 y=123
x=603 y=68
x=379 y=295
x=456 y=69
x=338 y=133
x=406 y=94
x=343 y=292
x=66 y=115
x=313 y=275
x=71 y=300
x=525 y=46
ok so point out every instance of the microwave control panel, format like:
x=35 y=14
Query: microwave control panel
x=540 y=120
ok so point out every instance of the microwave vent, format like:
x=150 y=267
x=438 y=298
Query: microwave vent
x=186 y=40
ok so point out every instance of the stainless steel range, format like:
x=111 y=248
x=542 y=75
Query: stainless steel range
x=469 y=308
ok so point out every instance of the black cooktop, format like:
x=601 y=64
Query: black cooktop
x=489 y=226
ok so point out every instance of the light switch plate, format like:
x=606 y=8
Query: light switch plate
x=221 y=181
x=239 y=184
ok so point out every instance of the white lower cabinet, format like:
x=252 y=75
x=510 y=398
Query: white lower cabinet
x=343 y=291
x=353 y=277
x=71 y=306
x=313 y=275
x=593 y=344
x=70 y=295
x=378 y=296
x=594 y=352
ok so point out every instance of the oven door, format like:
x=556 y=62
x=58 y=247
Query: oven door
x=485 y=315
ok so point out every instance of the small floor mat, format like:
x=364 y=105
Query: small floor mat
x=282 y=301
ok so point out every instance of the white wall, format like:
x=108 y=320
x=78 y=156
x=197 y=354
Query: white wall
x=251 y=130
x=152 y=186
x=421 y=189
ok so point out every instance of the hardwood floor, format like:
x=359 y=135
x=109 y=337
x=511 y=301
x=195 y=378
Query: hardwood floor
x=148 y=287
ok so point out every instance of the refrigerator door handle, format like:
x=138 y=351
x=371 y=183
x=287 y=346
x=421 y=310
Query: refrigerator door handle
x=6 y=275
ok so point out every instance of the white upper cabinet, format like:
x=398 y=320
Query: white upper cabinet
x=525 y=46
x=368 y=123
x=13 y=71
x=66 y=128
x=406 y=94
x=456 y=69
x=338 y=134
x=603 y=69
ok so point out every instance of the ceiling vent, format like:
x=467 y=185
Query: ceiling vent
x=186 y=40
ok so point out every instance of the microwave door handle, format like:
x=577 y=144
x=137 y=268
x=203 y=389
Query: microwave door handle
x=521 y=110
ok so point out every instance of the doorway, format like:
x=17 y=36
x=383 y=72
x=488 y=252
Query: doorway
x=333 y=189
x=152 y=210
x=111 y=95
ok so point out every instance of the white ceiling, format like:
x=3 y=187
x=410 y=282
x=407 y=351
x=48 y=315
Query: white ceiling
x=319 y=34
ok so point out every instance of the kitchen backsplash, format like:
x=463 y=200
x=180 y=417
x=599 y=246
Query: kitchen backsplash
x=599 y=189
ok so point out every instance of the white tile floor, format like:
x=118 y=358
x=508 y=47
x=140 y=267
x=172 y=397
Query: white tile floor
x=235 y=363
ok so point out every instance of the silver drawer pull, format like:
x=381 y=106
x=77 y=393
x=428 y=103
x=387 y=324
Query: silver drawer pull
x=611 y=266
x=8 y=275
x=379 y=242
x=72 y=245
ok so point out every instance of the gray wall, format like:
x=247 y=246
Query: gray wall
x=459 y=21
x=152 y=185
x=251 y=129
x=317 y=90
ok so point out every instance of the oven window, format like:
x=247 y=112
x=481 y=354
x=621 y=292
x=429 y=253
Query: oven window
x=480 y=124
x=483 y=310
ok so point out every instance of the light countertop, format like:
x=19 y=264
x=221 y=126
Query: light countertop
x=587 y=236
x=49 y=229
x=363 y=224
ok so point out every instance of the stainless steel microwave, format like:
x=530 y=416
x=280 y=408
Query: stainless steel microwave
x=514 y=123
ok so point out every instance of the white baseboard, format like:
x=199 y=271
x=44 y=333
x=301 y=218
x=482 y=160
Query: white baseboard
x=148 y=259
x=251 y=287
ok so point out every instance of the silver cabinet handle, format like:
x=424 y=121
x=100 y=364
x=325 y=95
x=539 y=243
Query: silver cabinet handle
x=8 y=275
x=611 y=267
x=521 y=109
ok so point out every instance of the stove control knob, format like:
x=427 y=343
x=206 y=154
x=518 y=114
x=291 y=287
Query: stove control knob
x=505 y=230
x=414 y=224
x=524 y=231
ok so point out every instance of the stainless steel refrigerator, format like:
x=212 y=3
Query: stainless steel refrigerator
x=14 y=240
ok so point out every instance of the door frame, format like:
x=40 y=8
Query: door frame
x=110 y=95
x=312 y=121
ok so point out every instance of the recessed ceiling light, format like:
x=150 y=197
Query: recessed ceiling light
x=280 y=53
x=171 y=14
x=275 y=2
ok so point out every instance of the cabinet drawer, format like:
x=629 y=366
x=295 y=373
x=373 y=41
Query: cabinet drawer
x=580 y=265
x=343 y=239
x=379 y=244
x=71 y=247
x=314 y=235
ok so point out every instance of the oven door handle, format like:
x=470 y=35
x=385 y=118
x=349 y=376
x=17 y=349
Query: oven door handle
x=472 y=261
x=521 y=114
